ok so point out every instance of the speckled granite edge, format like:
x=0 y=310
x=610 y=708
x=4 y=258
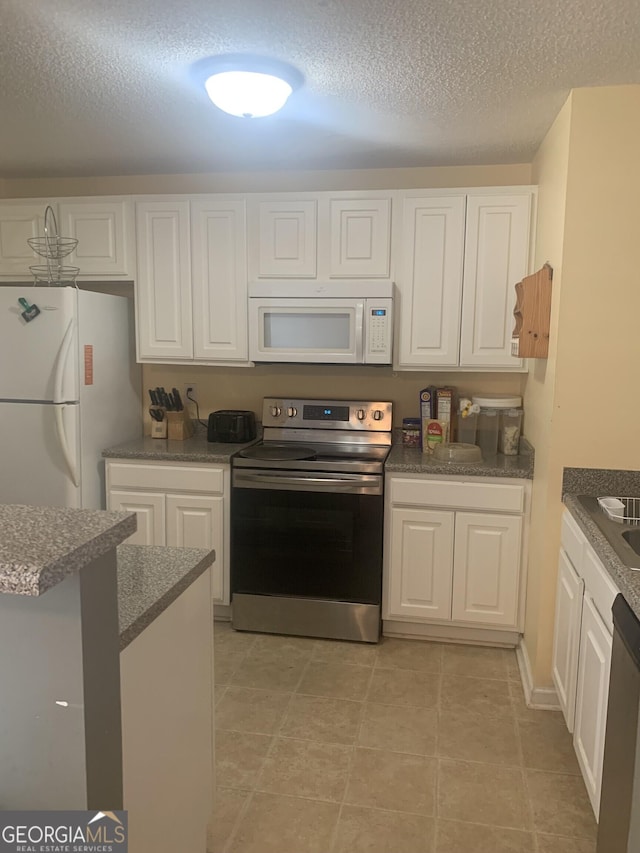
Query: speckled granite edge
x=412 y=460
x=41 y=545
x=194 y=449
x=600 y=482
x=627 y=581
x=170 y=570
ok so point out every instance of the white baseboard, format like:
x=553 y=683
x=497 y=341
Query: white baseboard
x=449 y=633
x=542 y=698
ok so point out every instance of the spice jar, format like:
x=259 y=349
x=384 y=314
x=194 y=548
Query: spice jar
x=411 y=432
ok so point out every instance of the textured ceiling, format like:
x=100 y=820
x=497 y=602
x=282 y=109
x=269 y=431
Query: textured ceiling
x=102 y=87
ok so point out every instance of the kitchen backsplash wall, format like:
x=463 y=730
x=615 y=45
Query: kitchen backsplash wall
x=244 y=388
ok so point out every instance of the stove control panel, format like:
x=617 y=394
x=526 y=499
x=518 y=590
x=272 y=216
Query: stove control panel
x=327 y=414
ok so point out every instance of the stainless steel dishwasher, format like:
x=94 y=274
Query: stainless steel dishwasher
x=619 y=827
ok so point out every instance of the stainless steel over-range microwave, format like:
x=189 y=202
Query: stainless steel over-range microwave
x=338 y=322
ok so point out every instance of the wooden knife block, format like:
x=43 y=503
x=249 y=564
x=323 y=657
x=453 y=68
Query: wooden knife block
x=179 y=425
x=530 y=338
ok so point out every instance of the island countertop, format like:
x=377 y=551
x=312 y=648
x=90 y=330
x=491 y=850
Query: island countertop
x=150 y=578
x=40 y=546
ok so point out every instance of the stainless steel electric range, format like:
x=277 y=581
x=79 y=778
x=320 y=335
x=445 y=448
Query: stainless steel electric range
x=306 y=520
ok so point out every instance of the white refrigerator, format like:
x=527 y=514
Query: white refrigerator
x=69 y=387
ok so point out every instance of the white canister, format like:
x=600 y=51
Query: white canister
x=490 y=437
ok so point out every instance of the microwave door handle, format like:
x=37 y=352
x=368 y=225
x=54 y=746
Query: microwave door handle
x=359 y=332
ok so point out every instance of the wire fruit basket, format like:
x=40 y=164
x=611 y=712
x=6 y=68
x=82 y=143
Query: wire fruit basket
x=621 y=510
x=53 y=248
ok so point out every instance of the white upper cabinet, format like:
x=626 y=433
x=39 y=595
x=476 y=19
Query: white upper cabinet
x=283 y=238
x=496 y=257
x=320 y=236
x=103 y=227
x=104 y=230
x=430 y=281
x=219 y=270
x=359 y=237
x=163 y=282
x=20 y=221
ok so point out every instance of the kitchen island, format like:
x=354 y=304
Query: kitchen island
x=106 y=672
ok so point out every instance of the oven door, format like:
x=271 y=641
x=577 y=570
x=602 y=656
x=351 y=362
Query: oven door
x=307 y=535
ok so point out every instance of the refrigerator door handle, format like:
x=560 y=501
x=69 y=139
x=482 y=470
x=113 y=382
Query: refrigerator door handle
x=64 y=445
x=61 y=364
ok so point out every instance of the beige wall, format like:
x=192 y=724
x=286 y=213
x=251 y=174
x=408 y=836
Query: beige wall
x=244 y=387
x=550 y=173
x=592 y=413
x=357 y=179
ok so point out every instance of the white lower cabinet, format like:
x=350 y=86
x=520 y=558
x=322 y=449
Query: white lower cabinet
x=422 y=560
x=566 y=639
x=591 y=698
x=582 y=650
x=444 y=565
x=486 y=568
x=183 y=506
x=149 y=508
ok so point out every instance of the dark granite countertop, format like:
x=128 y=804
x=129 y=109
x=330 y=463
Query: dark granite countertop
x=150 y=578
x=413 y=460
x=194 y=449
x=40 y=546
x=603 y=482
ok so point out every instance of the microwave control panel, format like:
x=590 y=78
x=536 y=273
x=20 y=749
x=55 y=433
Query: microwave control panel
x=378 y=331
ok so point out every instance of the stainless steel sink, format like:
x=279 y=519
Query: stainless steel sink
x=633 y=538
x=623 y=538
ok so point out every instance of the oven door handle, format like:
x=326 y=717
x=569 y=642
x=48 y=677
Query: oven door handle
x=357 y=485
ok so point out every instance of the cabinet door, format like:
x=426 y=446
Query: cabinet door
x=496 y=259
x=566 y=636
x=219 y=280
x=105 y=234
x=149 y=508
x=420 y=561
x=163 y=283
x=360 y=237
x=197 y=521
x=19 y=222
x=283 y=239
x=486 y=568
x=430 y=281
x=591 y=699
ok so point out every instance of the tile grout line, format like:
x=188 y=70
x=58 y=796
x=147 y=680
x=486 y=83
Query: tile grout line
x=244 y=810
x=334 y=836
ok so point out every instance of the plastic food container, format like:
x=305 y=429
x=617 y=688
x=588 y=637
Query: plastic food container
x=411 y=431
x=510 y=428
x=490 y=420
x=457 y=453
x=467 y=428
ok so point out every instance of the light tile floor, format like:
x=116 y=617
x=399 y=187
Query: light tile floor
x=404 y=747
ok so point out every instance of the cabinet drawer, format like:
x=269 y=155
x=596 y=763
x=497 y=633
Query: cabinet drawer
x=490 y=496
x=572 y=539
x=166 y=477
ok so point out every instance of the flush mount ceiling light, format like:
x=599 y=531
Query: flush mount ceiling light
x=248 y=86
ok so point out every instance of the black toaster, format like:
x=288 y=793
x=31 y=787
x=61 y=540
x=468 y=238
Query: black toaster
x=231 y=425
